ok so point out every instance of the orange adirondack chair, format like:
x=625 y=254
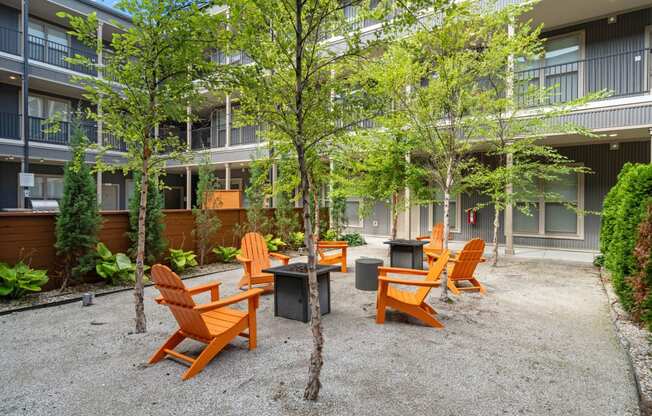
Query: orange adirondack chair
x=214 y=323
x=463 y=266
x=411 y=303
x=333 y=258
x=254 y=259
x=435 y=246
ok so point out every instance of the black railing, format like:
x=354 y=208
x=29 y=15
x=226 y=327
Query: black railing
x=10 y=126
x=48 y=131
x=54 y=53
x=9 y=40
x=201 y=138
x=109 y=140
x=622 y=74
x=244 y=135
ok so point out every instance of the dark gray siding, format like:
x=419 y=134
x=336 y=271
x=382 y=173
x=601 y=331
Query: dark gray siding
x=9 y=184
x=9 y=17
x=603 y=162
x=614 y=52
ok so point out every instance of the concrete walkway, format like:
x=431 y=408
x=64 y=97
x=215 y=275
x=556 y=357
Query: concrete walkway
x=539 y=343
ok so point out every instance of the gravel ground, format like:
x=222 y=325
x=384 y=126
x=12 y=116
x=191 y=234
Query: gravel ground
x=540 y=342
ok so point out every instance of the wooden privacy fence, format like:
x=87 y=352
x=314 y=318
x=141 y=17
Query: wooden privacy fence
x=30 y=235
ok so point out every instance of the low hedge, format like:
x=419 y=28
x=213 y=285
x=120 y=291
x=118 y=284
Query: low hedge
x=625 y=208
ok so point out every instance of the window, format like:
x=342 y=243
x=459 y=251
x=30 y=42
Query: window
x=552 y=217
x=454 y=211
x=352 y=214
x=559 y=69
x=48 y=43
x=48 y=108
x=47 y=187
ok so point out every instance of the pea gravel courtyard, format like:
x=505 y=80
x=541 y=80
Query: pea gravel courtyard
x=540 y=342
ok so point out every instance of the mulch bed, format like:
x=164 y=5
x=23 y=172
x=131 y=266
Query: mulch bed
x=637 y=342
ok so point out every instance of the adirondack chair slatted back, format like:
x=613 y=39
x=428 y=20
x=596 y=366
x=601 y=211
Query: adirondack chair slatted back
x=179 y=301
x=254 y=247
x=467 y=260
x=433 y=275
x=437 y=237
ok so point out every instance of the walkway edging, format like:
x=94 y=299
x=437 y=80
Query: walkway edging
x=624 y=326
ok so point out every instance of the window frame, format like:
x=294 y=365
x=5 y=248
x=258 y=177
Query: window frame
x=579 y=235
x=46 y=177
x=458 y=213
x=45 y=100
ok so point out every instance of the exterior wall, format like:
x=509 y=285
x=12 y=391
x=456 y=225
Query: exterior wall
x=605 y=163
x=9 y=17
x=9 y=184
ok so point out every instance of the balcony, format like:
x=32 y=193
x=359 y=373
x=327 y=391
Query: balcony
x=45 y=131
x=46 y=51
x=201 y=138
x=10 y=126
x=623 y=74
x=244 y=135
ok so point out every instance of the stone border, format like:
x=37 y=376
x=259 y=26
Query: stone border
x=636 y=341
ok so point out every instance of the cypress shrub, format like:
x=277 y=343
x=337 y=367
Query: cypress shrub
x=624 y=209
x=155 y=243
x=79 y=220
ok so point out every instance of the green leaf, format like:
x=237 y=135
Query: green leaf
x=123 y=261
x=103 y=251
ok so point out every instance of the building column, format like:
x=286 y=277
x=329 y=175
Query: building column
x=509 y=217
x=408 y=213
x=227 y=110
x=100 y=124
x=23 y=203
x=189 y=127
x=188 y=188
x=227 y=176
x=509 y=214
x=274 y=179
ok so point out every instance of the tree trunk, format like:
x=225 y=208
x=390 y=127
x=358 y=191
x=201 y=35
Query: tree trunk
x=447 y=198
x=311 y=391
x=494 y=260
x=141 y=323
x=66 y=274
x=394 y=215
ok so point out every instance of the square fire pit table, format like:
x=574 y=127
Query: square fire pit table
x=291 y=290
x=406 y=253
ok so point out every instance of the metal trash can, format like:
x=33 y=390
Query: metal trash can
x=366 y=273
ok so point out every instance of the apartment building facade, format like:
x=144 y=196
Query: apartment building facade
x=592 y=45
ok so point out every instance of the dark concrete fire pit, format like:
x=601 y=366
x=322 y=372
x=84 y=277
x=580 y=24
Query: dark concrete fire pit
x=291 y=290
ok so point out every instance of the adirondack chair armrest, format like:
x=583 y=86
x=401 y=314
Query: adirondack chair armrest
x=332 y=244
x=382 y=271
x=285 y=259
x=242 y=259
x=455 y=260
x=422 y=283
x=214 y=287
x=423 y=237
x=251 y=293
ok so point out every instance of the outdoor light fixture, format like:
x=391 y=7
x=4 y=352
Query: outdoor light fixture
x=13 y=77
x=614 y=146
x=612 y=19
x=613 y=135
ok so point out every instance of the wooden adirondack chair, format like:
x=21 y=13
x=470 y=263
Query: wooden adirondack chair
x=214 y=323
x=462 y=267
x=411 y=303
x=339 y=257
x=255 y=258
x=435 y=246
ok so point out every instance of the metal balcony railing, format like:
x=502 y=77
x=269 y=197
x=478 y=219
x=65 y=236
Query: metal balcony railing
x=53 y=53
x=244 y=135
x=116 y=144
x=201 y=138
x=58 y=132
x=622 y=74
x=10 y=126
x=9 y=40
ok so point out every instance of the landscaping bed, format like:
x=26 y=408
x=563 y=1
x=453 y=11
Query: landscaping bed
x=637 y=341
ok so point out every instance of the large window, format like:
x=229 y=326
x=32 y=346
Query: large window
x=553 y=217
x=454 y=209
x=48 y=43
x=48 y=108
x=559 y=70
x=47 y=187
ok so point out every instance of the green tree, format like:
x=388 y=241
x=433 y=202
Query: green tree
x=155 y=242
x=295 y=88
x=257 y=193
x=207 y=222
x=285 y=218
x=518 y=161
x=79 y=219
x=157 y=67
x=379 y=170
